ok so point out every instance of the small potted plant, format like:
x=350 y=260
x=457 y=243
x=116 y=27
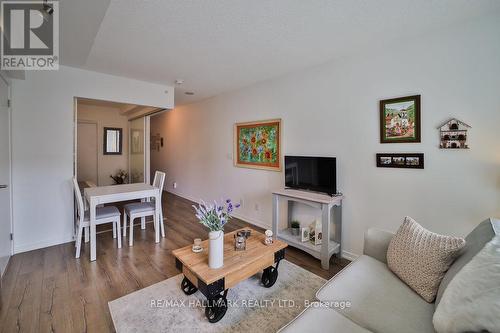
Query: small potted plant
x=120 y=177
x=295 y=228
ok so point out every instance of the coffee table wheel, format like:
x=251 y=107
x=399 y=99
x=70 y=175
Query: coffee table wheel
x=269 y=276
x=216 y=308
x=187 y=287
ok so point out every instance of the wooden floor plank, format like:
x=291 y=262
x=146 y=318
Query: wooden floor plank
x=8 y=283
x=26 y=300
x=48 y=290
x=55 y=315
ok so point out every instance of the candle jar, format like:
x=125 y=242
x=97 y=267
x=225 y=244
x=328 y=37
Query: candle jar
x=197 y=245
x=240 y=241
x=269 y=237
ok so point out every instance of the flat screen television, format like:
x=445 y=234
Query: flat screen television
x=317 y=174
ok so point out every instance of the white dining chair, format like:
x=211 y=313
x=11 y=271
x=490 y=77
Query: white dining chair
x=105 y=214
x=143 y=209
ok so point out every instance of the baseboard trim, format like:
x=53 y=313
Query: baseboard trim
x=242 y=217
x=349 y=255
x=253 y=221
x=345 y=254
x=42 y=244
x=185 y=196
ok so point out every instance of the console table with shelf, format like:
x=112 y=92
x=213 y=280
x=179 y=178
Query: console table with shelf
x=331 y=215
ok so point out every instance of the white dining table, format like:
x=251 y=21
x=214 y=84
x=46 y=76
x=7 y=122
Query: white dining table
x=116 y=193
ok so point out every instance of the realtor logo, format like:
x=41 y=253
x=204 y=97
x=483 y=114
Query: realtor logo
x=30 y=35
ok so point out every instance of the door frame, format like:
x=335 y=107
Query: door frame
x=152 y=172
x=83 y=121
x=147 y=150
x=11 y=192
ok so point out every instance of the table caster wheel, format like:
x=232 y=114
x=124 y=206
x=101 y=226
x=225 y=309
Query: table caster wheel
x=187 y=287
x=216 y=309
x=269 y=276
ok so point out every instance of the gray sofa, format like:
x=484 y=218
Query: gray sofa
x=380 y=301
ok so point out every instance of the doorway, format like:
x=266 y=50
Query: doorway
x=95 y=166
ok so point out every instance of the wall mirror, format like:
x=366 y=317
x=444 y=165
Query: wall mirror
x=112 y=141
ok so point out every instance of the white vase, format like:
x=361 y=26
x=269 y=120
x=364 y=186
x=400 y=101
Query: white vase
x=216 y=249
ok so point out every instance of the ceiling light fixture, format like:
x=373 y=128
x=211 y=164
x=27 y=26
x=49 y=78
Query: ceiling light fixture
x=179 y=81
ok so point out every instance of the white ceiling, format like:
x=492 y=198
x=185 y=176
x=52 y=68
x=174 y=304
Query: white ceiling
x=79 y=24
x=222 y=45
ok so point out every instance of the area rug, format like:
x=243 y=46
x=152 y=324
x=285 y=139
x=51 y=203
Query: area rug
x=163 y=307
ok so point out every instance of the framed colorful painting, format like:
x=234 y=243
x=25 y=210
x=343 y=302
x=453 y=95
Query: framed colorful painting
x=257 y=145
x=400 y=120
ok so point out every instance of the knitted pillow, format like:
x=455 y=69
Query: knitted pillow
x=420 y=257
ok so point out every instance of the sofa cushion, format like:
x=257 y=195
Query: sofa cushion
x=475 y=241
x=421 y=257
x=380 y=301
x=319 y=318
x=471 y=302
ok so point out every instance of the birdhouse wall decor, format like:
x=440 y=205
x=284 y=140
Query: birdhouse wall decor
x=453 y=134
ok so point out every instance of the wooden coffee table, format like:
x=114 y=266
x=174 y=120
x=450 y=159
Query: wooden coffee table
x=238 y=266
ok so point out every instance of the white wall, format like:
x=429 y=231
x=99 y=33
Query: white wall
x=106 y=116
x=43 y=120
x=332 y=110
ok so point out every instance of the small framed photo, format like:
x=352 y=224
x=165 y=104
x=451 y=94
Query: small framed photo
x=400 y=119
x=304 y=234
x=403 y=160
x=315 y=233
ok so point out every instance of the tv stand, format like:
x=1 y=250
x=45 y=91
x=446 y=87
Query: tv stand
x=331 y=207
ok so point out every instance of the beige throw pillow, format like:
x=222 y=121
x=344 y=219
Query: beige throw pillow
x=420 y=257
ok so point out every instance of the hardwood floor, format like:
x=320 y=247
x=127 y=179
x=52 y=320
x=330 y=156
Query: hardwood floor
x=48 y=290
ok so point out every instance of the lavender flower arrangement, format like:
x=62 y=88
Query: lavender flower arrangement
x=215 y=216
